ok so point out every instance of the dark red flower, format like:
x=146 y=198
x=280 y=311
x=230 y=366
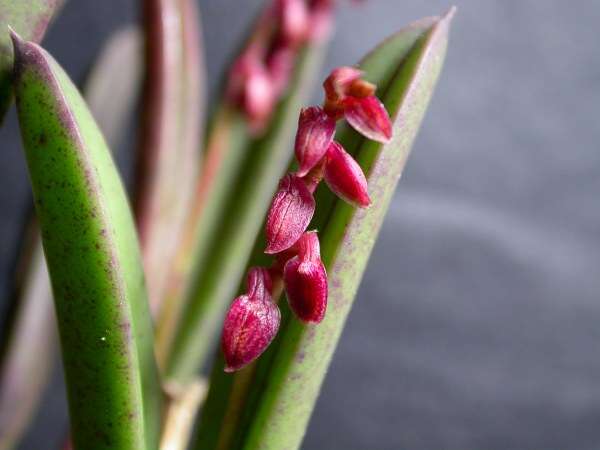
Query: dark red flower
x=345 y=177
x=291 y=211
x=305 y=280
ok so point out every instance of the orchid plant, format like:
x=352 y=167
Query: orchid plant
x=143 y=293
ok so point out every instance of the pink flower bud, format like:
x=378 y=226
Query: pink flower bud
x=249 y=87
x=291 y=211
x=320 y=20
x=305 y=280
x=280 y=63
x=259 y=96
x=315 y=133
x=368 y=116
x=345 y=177
x=251 y=322
x=294 y=20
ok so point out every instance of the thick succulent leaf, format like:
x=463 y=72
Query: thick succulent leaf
x=269 y=403
x=31 y=340
x=231 y=248
x=30 y=19
x=169 y=149
x=93 y=259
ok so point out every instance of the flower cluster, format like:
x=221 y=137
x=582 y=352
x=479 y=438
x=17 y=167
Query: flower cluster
x=262 y=72
x=253 y=318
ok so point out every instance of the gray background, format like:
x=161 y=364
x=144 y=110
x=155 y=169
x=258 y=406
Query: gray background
x=477 y=324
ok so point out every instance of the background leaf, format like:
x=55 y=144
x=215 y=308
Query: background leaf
x=169 y=150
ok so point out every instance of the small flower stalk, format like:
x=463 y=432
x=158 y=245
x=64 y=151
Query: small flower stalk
x=262 y=73
x=253 y=318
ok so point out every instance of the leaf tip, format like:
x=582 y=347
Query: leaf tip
x=17 y=40
x=446 y=19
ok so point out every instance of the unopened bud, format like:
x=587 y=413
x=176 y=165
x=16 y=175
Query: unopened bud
x=315 y=133
x=251 y=322
x=291 y=211
x=259 y=96
x=320 y=19
x=294 y=20
x=305 y=280
x=345 y=177
x=280 y=63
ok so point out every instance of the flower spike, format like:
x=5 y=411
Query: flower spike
x=251 y=322
x=368 y=116
x=345 y=177
x=253 y=318
x=305 y=280
x=290 y=213
x=315 y=133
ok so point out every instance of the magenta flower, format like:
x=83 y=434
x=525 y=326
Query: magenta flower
x=251 y=322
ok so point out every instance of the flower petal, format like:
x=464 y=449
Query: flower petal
x=345 y=177
x=315 y=133
x=291 y=211
x=368 y=116
x=249 y=328
x=306 y=288
x=339 y=81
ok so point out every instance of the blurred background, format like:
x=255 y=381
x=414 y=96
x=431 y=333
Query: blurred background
x=478 y=321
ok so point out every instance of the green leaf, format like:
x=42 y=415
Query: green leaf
x=30 y=336
x=230 y=249
x=93 y=258
x=269 y=403
x=28 y=18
